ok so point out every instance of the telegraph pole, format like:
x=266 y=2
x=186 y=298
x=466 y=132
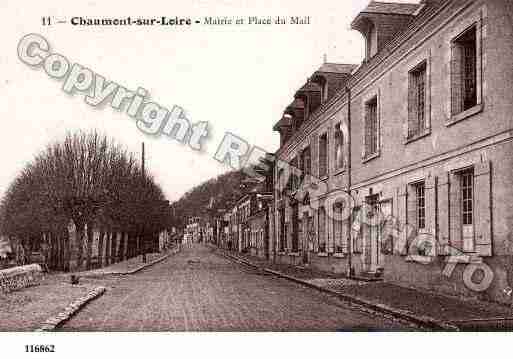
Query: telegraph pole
x=143 y=168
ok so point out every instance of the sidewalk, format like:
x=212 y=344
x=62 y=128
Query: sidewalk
x=26 y=309
x=129 y=266
x=427 y=309
x=55 y=298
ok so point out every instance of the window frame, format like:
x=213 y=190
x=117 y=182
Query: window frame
x=460 y=45
x=338 y=136
x=371 y=102
x=338 y=226
x=323 y=137
x=306 y=170
x=467 y=205
x=473 y=22
x=414 y=113
x=420 y=210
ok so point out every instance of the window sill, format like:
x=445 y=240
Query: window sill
x=419 y=259
x=370 y=157
x=465 y=258
x=340 y=171
x=417 y=137
x=465 y=114
x=323 y=254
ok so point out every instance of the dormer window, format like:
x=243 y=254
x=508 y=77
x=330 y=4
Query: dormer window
x=371 y=42
x=324 y=92
x=380 y=22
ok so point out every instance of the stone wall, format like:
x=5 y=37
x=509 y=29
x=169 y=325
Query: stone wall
x=20 y=277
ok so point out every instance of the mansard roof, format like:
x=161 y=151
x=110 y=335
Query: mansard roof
x=378 y=7
x=309 y=87
x=329 y=67
x=284 y=121
x=296 y=104
x=375 y=11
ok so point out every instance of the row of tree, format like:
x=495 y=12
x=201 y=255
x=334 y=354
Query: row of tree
x=88 y=182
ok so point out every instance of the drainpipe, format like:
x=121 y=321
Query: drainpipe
x=350 y=233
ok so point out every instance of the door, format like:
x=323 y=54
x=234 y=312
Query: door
x=372 y=234
x=385 y=207
x=307 y=223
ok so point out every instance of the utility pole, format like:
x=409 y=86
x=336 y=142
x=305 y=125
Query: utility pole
x=351 y=270
x=143 y=168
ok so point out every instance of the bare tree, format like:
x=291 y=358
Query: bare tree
x=89 y=181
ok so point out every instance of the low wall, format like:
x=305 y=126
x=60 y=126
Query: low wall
x=20 y=277
x=429 y=276
x=327 y=263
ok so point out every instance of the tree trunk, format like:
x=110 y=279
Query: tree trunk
x=113 y=247
x=80 y=242
x=60 y=262
x=122 y=248
x=130 y=245
x=54 y=251
x=67 y=250
x=108 y=240
x=89 y=242
x=101 y=243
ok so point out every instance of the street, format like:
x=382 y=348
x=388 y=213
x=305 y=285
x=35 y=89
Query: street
x=198 y=290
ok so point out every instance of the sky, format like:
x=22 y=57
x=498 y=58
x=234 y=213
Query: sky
x=237 y=78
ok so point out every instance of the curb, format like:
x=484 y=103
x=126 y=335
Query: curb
x=133 y=271
x=72 y=309
x=424 y=321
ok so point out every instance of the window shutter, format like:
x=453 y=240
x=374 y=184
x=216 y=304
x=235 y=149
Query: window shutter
x=412 y=106
x=455 y=237
x=344 y=233
x=330 y=238
x=289 y=236
x=356 y=229
x=401 y=247
x=316 y=231
x=456 y=80
x=322 y=230
x=482 y=214
x=368 y=132
x=327 y=154
x=430 y=197
x=411 y=211
x=314 y=168
x=443 y=210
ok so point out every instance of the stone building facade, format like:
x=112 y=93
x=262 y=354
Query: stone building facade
x=418 y=141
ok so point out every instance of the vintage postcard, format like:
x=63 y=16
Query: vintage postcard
x=192 y=168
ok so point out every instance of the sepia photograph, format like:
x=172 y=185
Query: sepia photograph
x=234 y=178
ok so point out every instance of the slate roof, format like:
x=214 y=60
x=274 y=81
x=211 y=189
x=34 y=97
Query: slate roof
x=296 y=104
x=378 y=7
x=310 y=86
x=337 y=68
